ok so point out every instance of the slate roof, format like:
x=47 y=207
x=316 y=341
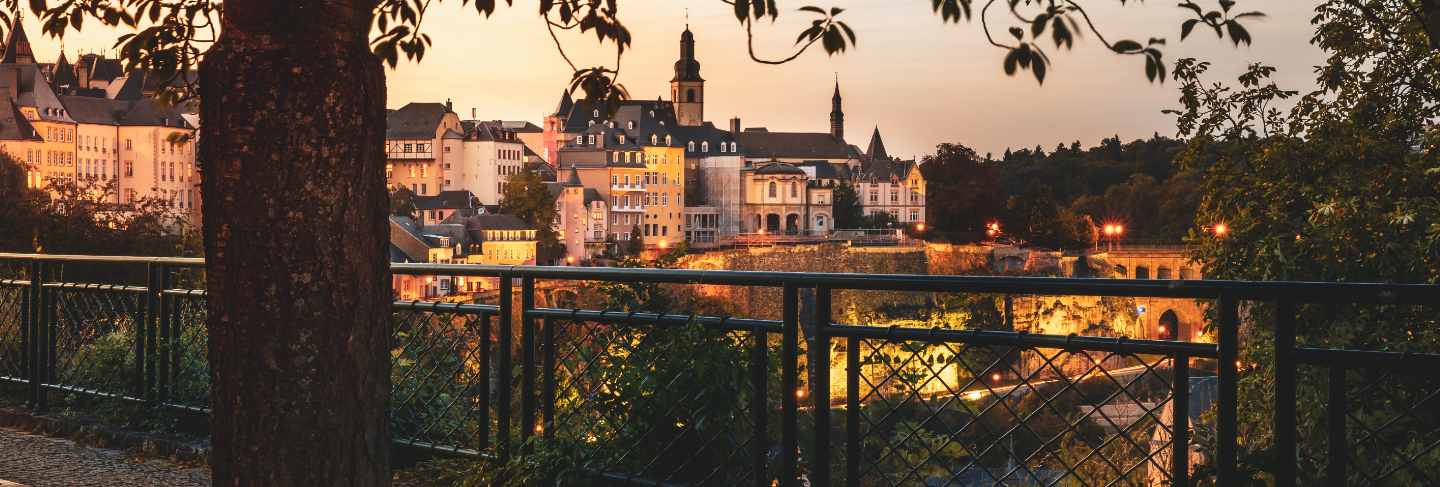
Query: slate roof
x=699 y=134
x=414 y=121
x=18 y=45
x=521 y=127
x=106 y=69
x=637 y=120
x=446 y=200
x=13 y=125
x=64 y=75
x=827 y=170
x=887 y=169
x=104 y=111
x=779 y=168
x=487 y=131
x=794 y=145
x=877 y=146
x=34 y=91
x=495 y=222
x=592 y=195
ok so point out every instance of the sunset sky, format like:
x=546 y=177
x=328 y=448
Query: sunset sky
x=921 y=81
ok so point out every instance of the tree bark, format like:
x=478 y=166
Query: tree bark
x=293 y=110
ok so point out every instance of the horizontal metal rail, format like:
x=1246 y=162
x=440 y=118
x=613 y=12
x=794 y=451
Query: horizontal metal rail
x=1007 y=338
x=627 y=317
x=1309 y=292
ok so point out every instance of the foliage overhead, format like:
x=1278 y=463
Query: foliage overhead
x=171 y=37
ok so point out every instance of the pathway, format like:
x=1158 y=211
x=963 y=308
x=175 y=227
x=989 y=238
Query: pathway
x=41 y=461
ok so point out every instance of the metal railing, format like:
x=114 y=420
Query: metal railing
x=731 y=401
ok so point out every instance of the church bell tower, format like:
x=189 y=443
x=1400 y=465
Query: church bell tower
x=687 y=89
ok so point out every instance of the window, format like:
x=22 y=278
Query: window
x=595 y=112
x=408 y=147
x=690 y=95
x=874 y=196
x=690 y=146
x=127 y=144
x=794 y=189
x=614 y=180
x=590 y=139
x=423 y=189
x=914 y=215
x=772 y=189
x=579 y=140
x=705 y=146
x=667 y=140
x=1142 y=272
x=622 y=138
x=654 y=139
x=894 y=196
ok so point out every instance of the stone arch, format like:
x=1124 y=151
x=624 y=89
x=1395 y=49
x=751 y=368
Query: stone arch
x=1142 y=272
x=1122 y=272
x=792 y=223
x=1169 y=326
x=772 y=222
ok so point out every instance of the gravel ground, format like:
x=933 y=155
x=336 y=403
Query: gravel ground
x=43 y=461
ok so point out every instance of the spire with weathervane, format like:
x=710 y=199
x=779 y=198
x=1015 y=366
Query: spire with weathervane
x=687 y=88
x=837 y=116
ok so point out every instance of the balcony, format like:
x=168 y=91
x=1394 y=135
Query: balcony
x=800 y=393
x=627 y=187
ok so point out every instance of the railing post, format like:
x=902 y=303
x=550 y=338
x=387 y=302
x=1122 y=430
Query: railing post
x=852 y=411
x=34 y=336
x=820 y=387
x=1339 y=455
x=152 y=325
x=484 y=420
x=1226 y=430
x=1180 y=422
x=1285 y=393
x=547 y=386
x=45 y=348
x=789 y=348
x=759 y=410
x=527 y=359
x=507 y=308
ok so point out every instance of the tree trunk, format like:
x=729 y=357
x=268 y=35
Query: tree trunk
x=293 y=110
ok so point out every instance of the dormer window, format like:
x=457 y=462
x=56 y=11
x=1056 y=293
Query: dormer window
x=704 y=146
x=591 y=139
x=579 y=140
x=630 y=125
x=622 y=138
x=595 y=112
x=654 y=139
x=667 y=139
x=690 y=146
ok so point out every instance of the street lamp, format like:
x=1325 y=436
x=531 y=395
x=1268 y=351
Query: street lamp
x=992 y=229
x=1220 y=229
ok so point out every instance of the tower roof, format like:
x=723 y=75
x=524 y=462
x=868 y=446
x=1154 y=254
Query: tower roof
x=837 y=91
x=877 y=147
x=566 y=103
x=64 y=76
x=687 y=68
x=573 y=179
x=17 y=46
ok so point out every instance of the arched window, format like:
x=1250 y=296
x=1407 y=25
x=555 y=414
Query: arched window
x=1163 y=273
x=630 y=125
x=772 y=189
x=690 y=146
x=1142 y=272
x=690 y=95
x=595 y=112
x=705 y=146
x=654 y=139
x=667 y=140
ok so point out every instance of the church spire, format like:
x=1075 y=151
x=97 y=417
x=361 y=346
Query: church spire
x=837 y=115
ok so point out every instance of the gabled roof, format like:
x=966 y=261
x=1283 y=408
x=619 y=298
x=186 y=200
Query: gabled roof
x=794 y=145
x=106 y=69
x=887 y=169
x=495 y=222
x=592 y=195
x=521 y=127
x=34 y=91
x=827 y=170
x=104 y=111
x=566 y=104
x=414 y=121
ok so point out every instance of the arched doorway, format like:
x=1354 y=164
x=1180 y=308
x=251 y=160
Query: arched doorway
x=792 y=224
x=772 y=223
x=1169 y=326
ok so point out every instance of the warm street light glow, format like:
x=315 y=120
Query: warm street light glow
x=800 y=393
x=919 y=227
x=992 y=229
x=1221 y=229
x=1162 y=329
x=1119 y=229
x=570 y=260
x=664 y=244
x=995 y=377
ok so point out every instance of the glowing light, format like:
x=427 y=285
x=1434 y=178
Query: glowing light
x=664 y=244
x=800 y=393
x=570 y=260
x=995 y=377
x=973 y=395
x=1162 y=329
x=1119 y=229
x=1221 y=229
x=539 y=428
x=919 y=227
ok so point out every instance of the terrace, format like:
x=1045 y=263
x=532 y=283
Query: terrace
x=751 y=400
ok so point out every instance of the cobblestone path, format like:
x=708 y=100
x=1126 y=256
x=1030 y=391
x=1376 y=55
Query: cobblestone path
x=42 y=461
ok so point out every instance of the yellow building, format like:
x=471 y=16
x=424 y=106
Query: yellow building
x=664 y=178
x=49 y=149
x=422 y=145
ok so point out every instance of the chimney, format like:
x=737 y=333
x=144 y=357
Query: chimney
x=449 y=106
x=735 y=125
x=472 y=113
